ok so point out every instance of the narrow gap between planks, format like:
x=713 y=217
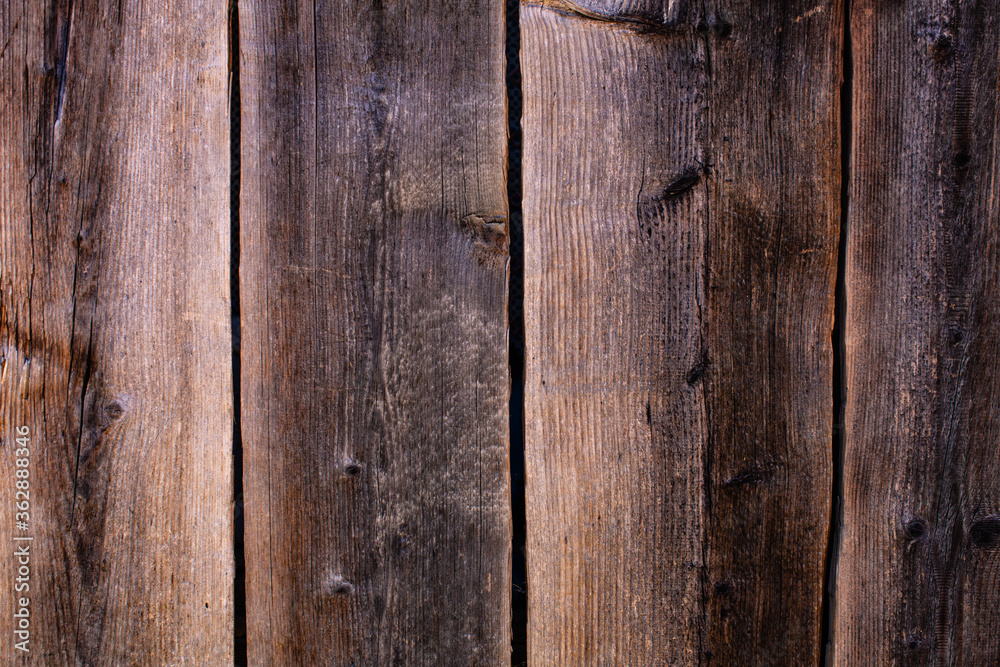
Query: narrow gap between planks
x=515 y=322
x=239 y=584
x=840 y=313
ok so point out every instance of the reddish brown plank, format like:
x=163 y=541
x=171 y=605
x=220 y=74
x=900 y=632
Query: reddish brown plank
x=681 y=197
x=115 y=332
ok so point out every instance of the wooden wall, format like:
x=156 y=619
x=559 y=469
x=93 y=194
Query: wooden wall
x=255 y=350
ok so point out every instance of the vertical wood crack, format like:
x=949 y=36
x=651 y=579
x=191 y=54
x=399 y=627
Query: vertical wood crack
x=704 y=649
x=239 y=585
x=61 y=58
x=827 y=655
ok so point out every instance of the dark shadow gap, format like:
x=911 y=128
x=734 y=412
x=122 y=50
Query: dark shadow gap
x=839 y=388
x=515 y=319
x=239 y=584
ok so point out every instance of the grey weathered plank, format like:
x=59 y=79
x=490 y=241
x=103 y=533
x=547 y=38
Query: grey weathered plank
x=374 y=362
x=681 y=198
x=918 y=572
x=114 y=331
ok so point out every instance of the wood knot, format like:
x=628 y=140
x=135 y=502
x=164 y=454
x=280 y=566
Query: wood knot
x=915 y=529
x=488 y=231
x=985 y=533
x=401 y=545
x=723 y=588
x=723 y=28
x=112 y=412
x=941 y=47
x=678 y=185
x=716 y=24
x=339 y=586
x=697 y=372
x=640 y=22
x=749 y=477
x=350 y=468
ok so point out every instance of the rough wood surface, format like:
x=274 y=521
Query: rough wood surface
x=374 y=354
x=115 y=332
x=681 y=198
x=918 y=572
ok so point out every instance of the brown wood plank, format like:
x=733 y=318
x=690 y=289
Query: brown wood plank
x=374 y=356
x=681 y=198
x=115 y=332
x=918 y=572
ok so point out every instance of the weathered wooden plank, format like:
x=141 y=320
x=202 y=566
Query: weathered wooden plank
x=918 y=572
x=374 y=363
x=115 y=332
x=681 y=198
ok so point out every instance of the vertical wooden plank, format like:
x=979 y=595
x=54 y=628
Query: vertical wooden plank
x=115 y=333
x=681 y=175
x=373 y=296
x=774 y=228
x=921 y=543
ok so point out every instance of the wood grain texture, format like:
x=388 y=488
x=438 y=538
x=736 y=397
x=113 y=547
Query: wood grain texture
x=918 y=572
x=374 y=354
x=681 y=198
x=115 y=332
